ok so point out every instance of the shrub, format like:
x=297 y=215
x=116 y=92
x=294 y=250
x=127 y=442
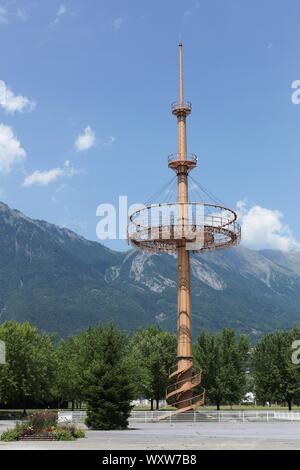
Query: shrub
x=42 y=420
x=78 y=433
x=43 y=424
x=71 y=429
x=13 y=434
x=63 y=434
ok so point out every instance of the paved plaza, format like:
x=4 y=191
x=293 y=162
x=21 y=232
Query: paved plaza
x=183 y=436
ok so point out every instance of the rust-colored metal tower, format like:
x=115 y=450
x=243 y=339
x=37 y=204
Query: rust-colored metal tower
x=182 y=228
x=184 y=352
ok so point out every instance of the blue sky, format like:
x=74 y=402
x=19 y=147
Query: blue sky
x=107 y=71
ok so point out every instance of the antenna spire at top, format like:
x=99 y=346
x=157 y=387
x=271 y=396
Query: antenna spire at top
x=181 y=99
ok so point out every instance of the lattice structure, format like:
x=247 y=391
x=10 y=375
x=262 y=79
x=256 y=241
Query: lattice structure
x=183 y=227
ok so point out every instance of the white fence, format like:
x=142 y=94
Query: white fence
x=213 y=416
x=71 y=416
x=193 y=417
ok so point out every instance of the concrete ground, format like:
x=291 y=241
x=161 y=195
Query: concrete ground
x=178 y=436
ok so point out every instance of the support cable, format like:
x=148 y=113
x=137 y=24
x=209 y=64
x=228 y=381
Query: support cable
x=206 y=191
x=165 y=189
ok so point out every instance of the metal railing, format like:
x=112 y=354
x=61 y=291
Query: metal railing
x=199 y=416
x=158 y=227
x=174 y=157
x=196 y=212
x=185 y=105
x=181 y=214
x=213 y=416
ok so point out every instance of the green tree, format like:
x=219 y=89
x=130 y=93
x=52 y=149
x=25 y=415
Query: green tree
x=69 y=371
x=31 y=363
x=276 y=378
x=107 y=379
x=223 y=360
x=154 y=351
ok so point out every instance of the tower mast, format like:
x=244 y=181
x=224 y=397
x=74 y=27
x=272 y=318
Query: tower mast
x=184 y=350
x=176 y=229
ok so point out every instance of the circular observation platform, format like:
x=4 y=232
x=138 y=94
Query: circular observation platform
x=179 y=108
x=198 y=226
x=178 y=164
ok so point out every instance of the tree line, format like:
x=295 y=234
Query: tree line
x=106 y=370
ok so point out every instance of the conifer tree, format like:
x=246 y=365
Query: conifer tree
x=108 y=382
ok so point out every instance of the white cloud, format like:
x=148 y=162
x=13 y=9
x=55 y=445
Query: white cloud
x=60 y=14
x=187 y=16
x=85 y=140
x=3 y=15
x=43 y=178
x=12 y=103
x=22 y=14
x=58 y=192
x=118 y=22
x=62 y=10
x=264 y=228
x=109 y=142
x=11 y=152
x=69 y=170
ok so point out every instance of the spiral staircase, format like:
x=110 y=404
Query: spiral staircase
x=180 y=393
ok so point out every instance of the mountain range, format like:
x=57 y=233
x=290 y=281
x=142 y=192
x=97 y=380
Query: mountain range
x=63 y=283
